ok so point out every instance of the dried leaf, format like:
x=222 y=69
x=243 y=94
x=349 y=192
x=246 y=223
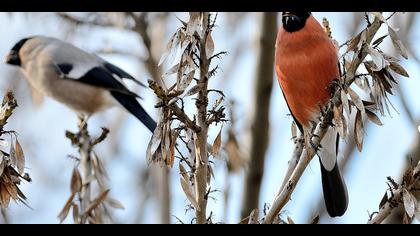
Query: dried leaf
x=397 y=42
x=373 y=117
x=4 y=143
x=183 y=172
x=354 y=42
x=194 y=24
x=156 y=139
x=398 y=69
x=377 y=58
x=217 y=143
x=209 y=46
x=379 y=16
x=4 y=195
x=12 y=154
x=171 y=158
x=95 y=203
x=20 y=158
x=171 y=71
x=188 y=192
x=163 y=58
x=2 y=163
x=76 y=182
x=356 y=100
x=234 y=153
x=169 y=51
x=358 y=131
x=194 y=90
x=65 y=211
x=410 y=203
x=166 y=141
x=12 y=190
x=76 y=216
x=345 y=102
x=114 y=203
x=338 y=122
x=186 y=81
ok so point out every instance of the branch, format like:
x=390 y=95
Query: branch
x=201 y=161
x=85 y=208
x=79 y=21
x=396 y=197
x=260 y=124
x=166 y=102
x=297 y=152
x=307 y=154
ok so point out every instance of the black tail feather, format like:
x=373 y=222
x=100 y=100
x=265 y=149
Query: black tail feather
x=133 y=106
x=335 y=191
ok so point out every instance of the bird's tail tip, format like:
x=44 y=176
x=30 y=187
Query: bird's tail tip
x=335 y=191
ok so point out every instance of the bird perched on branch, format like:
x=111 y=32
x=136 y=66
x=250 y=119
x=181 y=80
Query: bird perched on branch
x=306 y=63
x=82 y=81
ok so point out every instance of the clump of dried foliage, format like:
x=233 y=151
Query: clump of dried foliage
x=193 y=71
x=88 y=172
x=12 y=162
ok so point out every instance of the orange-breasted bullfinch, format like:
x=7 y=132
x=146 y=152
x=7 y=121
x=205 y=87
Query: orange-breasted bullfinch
x=83 y=81
x=306 y=62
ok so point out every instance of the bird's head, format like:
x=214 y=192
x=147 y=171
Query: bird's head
x=13 y=58
x=294 y=21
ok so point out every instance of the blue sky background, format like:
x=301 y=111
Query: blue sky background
x=41 y=130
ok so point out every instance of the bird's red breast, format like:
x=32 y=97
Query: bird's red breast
x=306 y=63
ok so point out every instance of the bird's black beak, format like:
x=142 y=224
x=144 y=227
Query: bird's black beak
x=12 y=58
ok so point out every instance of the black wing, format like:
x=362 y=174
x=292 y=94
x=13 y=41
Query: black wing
x=102 y=77
x=120 y=73
x=97 y=76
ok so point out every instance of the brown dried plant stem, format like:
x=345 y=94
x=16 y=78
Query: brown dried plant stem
x=201 y=161
x=284 y=194
x=396 y=199
x=87 y=209
x=86 y=169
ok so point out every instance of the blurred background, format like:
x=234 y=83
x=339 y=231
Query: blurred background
x=135 y=42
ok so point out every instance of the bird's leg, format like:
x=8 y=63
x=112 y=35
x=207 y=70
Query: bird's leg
x=308 y=135
x=82 y=121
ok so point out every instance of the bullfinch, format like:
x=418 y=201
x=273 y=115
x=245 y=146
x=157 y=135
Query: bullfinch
x=83 y=81
x=306 y=63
